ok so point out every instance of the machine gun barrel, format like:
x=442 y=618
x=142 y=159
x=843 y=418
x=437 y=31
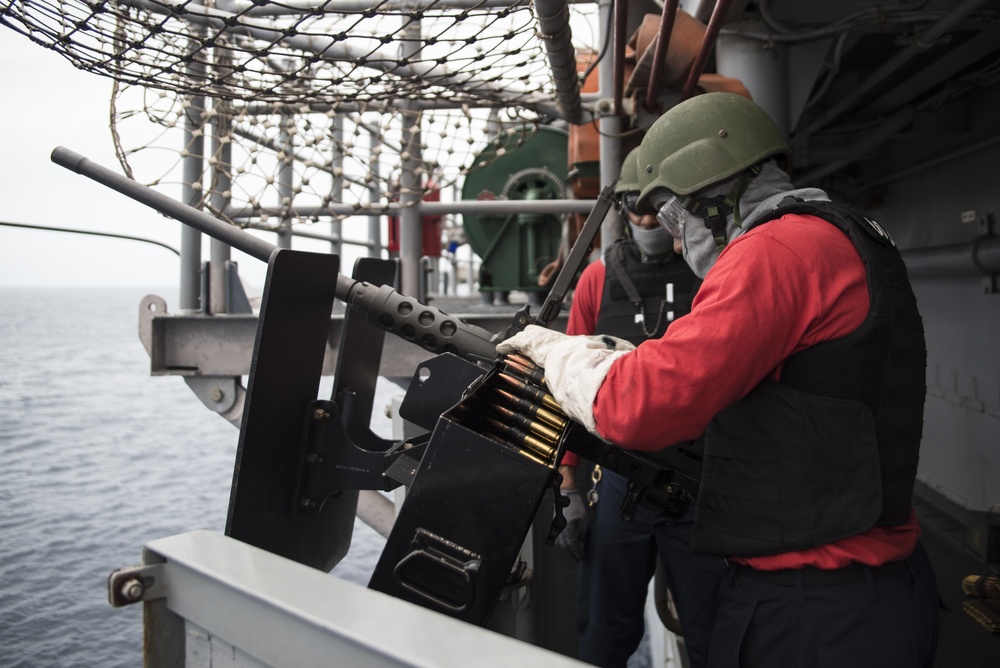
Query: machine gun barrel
x=235 y=237
x=426 y=326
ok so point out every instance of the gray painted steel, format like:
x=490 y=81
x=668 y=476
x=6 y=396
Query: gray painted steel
x=227 y=599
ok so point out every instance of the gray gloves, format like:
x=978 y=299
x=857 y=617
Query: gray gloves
x=573 y=538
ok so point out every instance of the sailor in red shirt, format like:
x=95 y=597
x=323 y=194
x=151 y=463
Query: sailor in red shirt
x=802 y=362
x=635 y=291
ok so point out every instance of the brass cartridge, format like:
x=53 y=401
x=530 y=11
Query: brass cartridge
x=522 y=438
x=526 y=362
x=534 y=375
x=536 y=427
x=556 y=419
x=530 y=454
x=530 y=391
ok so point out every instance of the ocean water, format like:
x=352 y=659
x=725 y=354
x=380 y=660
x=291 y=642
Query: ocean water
x=97 y=457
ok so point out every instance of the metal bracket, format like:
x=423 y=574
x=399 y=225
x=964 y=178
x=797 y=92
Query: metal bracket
x=218 y=393
x=438 y=384
x=404 y=468
x=151 y=305
x=136 y=584
x=558 y=503
x=339 y=453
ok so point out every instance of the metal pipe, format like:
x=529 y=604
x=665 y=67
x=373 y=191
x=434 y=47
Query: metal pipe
x=286 y=178
x=499 y=100
x=193 y=170
x=374 y=221
x=220 y=253
x=232 y=235
x=621 y=26
x=375 y=246
x=981 y=256
x=610 y=134
x=554 y=30
x=555 y=206
x=934 y=162
x=707 y=42
x=468 y=206
x=865 y=145
x=356 y=6
x=247 y=243
x=337 y=170
x=764 y=72
x=944 y=69
x=329 y=48
x=411 y=184
x=924 y=42
x=660 y=54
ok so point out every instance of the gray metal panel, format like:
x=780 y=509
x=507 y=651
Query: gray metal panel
x=959 y=457
x=188 y=345
x=281 y=613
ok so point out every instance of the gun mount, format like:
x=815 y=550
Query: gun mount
x=301 y=460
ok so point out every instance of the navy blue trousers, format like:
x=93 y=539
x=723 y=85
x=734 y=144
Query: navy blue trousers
x=882 y=619
x=615 y=574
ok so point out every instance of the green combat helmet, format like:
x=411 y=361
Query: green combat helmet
x=705 y=140
x=628 y=182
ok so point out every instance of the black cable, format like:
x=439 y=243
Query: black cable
x=98 y=234
x=604 y=48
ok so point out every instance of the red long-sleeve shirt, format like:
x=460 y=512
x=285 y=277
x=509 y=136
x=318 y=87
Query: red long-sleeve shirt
x=587 y=296
x=583 y=313
x=778 y=289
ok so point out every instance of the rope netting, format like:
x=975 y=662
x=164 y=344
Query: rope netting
x=293 y=107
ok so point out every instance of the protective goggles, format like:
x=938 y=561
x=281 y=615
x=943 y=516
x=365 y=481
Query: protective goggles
x=631 y=202
x=670 y=213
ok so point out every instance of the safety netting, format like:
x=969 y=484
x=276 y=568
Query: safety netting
x=288 y=108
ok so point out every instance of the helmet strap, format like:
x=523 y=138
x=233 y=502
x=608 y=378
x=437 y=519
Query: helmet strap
x=715 y=210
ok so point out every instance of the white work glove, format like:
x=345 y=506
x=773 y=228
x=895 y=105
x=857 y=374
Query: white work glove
x=575 y=366
x=533 y=341
x=573 y=537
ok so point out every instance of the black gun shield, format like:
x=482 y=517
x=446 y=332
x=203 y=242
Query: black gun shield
x=285 y=372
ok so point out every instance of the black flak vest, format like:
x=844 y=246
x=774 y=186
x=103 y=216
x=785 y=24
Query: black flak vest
x=635 y=288
x=831 y=450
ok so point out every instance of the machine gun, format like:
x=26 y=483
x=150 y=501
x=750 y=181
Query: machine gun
x=476 y=477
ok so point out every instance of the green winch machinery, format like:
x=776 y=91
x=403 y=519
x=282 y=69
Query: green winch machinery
x=519 y=164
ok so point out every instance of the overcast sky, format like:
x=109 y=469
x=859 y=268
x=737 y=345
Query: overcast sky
x=48 y=103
